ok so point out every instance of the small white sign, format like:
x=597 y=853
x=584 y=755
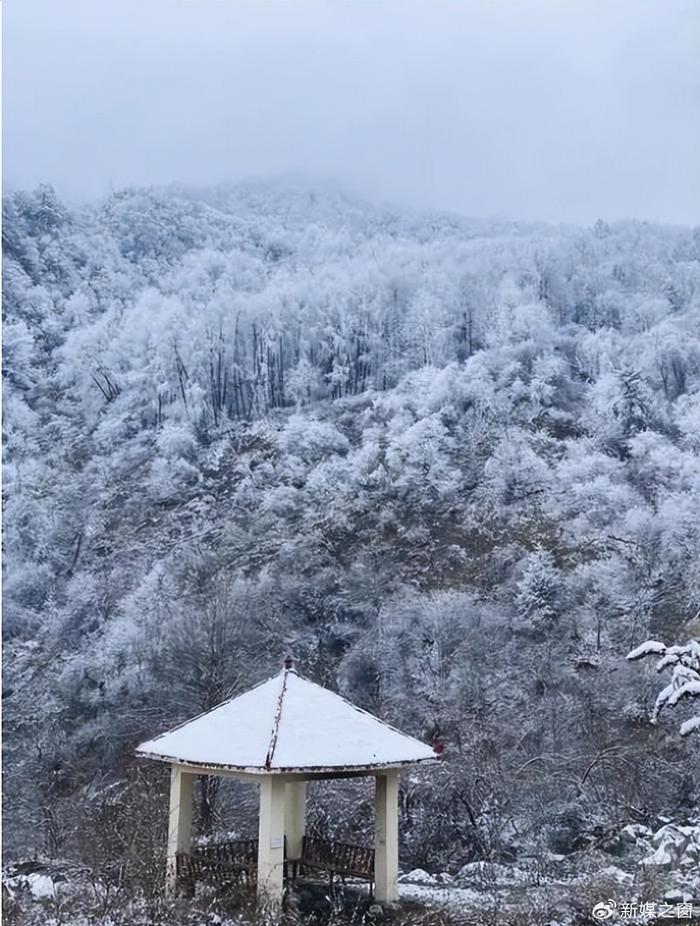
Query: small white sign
x=277 y=842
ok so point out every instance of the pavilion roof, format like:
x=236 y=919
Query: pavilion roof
x=287 y=724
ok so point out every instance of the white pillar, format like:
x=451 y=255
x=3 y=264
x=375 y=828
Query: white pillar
x=179 y=823
x=271 y=840
x=294 y=817
x=386 y=845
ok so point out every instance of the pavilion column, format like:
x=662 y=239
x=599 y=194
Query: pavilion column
x=294 y=818
x=179 y=823
x=386 y=845
x=271 y=840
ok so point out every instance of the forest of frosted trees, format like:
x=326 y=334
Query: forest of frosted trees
x=452 y=465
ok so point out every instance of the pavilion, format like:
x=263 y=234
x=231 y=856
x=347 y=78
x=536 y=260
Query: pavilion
x=282 y=733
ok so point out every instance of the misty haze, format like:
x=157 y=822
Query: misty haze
x=351 y=361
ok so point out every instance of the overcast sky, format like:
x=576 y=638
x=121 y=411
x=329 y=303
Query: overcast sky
x=537 y=109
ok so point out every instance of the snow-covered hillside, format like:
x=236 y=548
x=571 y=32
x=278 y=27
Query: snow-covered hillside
x=453 y=465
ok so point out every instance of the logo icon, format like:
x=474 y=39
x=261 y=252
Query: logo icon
x=603 y=910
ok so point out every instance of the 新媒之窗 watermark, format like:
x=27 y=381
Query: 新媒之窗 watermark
x=633 y=909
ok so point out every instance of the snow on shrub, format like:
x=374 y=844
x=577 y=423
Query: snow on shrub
x=684 y=661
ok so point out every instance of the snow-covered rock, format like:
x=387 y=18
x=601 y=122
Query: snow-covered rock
x=674 y=846
x=39 y=885
x=418 y=876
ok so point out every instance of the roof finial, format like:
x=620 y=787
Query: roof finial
x=288 y=663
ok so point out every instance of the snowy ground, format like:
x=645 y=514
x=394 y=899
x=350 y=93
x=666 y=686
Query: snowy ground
x=643 y=877
x=640 y=877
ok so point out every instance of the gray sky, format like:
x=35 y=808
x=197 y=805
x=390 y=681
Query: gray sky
x=553 y=109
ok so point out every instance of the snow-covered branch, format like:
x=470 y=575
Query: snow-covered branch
x=684 y=661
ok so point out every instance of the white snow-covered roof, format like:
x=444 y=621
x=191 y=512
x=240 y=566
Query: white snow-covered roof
x=287 y=724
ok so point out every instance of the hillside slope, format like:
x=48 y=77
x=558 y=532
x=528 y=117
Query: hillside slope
x=452 y=464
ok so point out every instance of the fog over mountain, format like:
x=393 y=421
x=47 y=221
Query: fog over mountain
x=534 y=110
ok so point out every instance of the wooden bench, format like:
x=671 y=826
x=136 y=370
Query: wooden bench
x=337 y=858
x=219 y=863
x=236 y=861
